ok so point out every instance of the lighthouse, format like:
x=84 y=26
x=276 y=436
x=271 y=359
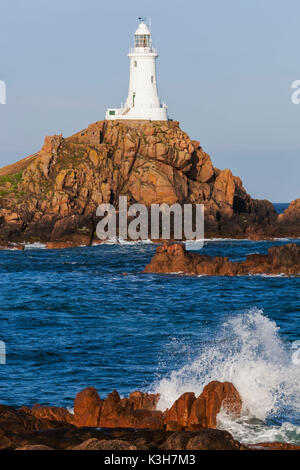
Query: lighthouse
x=142 y=102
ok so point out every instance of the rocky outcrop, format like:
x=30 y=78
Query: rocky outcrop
x=189 y=412
x=289 y=221
x=120 y=439
x=105 y=444
x=34 y=447
x=52 y=196
x=22 y=421
x=128 y=439
x=142 y=400
x=178 y=415
x=87 y=407
x=52 y=413
x=204 y=439
x=215 y=396
x=174 y=258
x=131 y=423
x=137 y=411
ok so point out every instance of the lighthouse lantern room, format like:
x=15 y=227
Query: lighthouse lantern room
x=142 y=102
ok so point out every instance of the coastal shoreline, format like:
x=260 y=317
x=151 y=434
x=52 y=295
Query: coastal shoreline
x=132 y=423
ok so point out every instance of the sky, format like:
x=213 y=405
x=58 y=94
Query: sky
x=225 y=70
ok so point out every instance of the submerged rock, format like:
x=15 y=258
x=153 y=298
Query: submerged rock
x=174 y=258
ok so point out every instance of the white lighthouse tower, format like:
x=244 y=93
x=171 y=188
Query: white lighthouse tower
x=143 y=102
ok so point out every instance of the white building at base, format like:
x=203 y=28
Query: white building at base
x=143 y=102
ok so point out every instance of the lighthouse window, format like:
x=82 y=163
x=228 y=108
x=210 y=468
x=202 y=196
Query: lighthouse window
x=152 y=79
x=135 y=63
x=142 y=40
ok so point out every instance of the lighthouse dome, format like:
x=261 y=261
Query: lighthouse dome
x=142 y=29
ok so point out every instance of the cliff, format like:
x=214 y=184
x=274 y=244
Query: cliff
x=53 y=194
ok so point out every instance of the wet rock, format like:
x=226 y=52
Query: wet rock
x=13 y=421
x=20 y=429
x=177 y=440
x=213 y=439
x=111 y=410
x=90 y=410
x=34 y=447
x=180 y=411
x=273 y=446
x=73 y=241
x=215 y=395
x=52 y=413
x=173 y=426
x=87 y=407
x=194 y=413
x=174 y=258
x=145 y=401
x=114 y=444
x=205 y=439
x=60 y=438
x=120 y=413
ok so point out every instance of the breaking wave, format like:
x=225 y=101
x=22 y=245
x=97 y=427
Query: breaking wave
x=247 y=351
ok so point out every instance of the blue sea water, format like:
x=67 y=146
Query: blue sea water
x=90 y=317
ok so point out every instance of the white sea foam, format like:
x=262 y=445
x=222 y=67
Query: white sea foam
x=252 y=431
x=35 y=246
x=121 y=241
x=248 y=352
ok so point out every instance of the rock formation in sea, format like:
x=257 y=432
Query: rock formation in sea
x=132 y=423
x=52 y=196
x=174 y=258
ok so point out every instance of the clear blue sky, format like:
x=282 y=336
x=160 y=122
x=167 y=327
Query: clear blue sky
x=225 y=70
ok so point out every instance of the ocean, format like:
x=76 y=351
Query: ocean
x=88 y=316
